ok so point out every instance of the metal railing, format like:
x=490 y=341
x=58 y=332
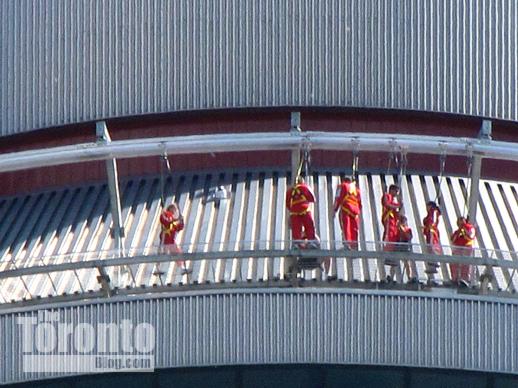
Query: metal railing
x=108 y=272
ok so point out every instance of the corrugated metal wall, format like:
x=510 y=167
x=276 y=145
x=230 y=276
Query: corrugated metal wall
x=72 y=61
x=303 y=326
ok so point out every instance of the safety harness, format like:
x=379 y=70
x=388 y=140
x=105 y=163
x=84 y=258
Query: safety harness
x=350 y=198
x=388 y=213
x=169 y=229
x=297 y=197
x=432 y=227
x=464 y=233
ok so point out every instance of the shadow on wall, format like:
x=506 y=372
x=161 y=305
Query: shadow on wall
x=287 y=376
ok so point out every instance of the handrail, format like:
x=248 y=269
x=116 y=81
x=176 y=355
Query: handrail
x=262 y=141
x=113 y=272
x=482 y=257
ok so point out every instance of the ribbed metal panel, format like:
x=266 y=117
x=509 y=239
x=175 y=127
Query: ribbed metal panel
x=73 y=224
x=303 y=326
x=72 y=61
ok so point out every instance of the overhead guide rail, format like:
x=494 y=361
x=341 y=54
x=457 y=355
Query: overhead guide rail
x=263 y=141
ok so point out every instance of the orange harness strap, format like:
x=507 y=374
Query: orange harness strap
x=168 y=230
x=348 y=212
x=469 y=239
x=296 y=193
x=389 y=214
x=350 y=198
x=432 y=229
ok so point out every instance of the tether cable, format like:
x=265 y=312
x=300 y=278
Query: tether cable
x=355 y=161
x=164 y=159
x=442 y=164
x=469 y=162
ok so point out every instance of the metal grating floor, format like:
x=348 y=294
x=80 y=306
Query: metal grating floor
x=55 y=226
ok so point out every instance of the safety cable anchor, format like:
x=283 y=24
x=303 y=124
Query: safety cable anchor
x=393 y=144
x=355 y=141
x=443 y=146
x=163 y=148
x=469 y=149
x=306 y=149
x=396 y=150
x=165 y=156
x=305 y=143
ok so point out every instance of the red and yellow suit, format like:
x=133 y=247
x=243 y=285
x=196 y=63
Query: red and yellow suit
x=298 y=200
x=405 y=245
x=348 y=200
x=431 y=230
x=462 y=241
x=405 y=236
x=390 y=220
x=170 y=226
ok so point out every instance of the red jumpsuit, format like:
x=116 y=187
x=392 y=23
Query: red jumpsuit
x=405 y=236
x=431 y=231
x=298 y=200
x=405 y=240
x=462 y=240
x=170 y=226
x=390 y=220
x=348 y=200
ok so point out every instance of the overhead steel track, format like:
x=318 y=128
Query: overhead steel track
x=263 y=141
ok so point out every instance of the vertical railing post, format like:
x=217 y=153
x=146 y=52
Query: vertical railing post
x=103 y=137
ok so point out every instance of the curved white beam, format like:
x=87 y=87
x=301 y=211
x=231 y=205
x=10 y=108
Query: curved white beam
x=264 y=141
x=257 y=253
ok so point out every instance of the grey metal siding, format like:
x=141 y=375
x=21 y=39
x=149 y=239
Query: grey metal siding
x=67 y=61
x=303 y=326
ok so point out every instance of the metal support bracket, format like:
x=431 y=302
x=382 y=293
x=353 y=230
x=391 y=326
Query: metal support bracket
x=476 y=169
x=103 y=137
x=486 y=130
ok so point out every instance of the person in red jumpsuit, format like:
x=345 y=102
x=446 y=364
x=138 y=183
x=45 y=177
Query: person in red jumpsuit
x=431 y=234
x=298 y=201
x=431 y=228
x=172 y=222
x=405 y=245
x=462 y=241
x=348 y=200
x=390 y=217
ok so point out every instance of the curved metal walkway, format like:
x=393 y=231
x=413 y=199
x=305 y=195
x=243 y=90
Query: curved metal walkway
x=73 y=225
